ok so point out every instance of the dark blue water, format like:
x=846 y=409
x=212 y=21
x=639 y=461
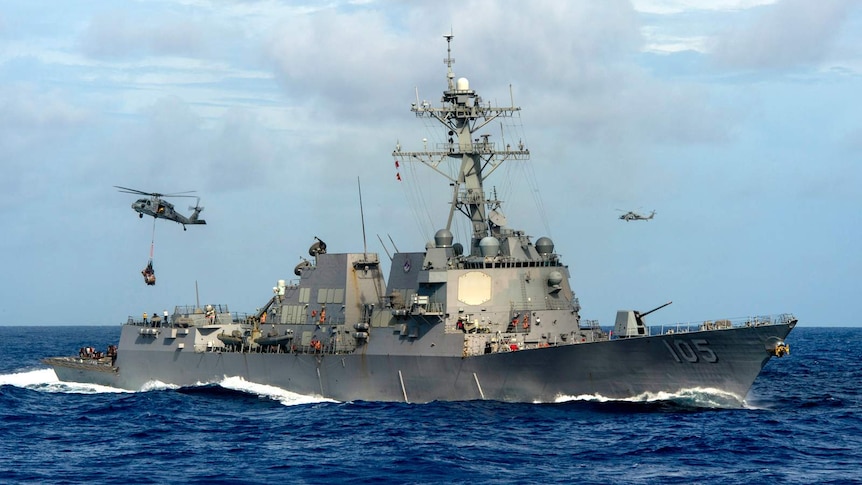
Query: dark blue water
x=800 y=424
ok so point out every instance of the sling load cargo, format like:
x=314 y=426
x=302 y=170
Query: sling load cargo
x=149 y=273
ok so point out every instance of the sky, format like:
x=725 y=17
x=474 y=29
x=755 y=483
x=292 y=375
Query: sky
x=737 y=121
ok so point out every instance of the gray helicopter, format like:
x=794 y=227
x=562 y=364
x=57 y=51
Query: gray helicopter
x=159 y=208
x=634 y=216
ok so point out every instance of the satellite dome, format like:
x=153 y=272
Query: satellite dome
x=555 y=278
x=458 y=249
x=443 y=238
x=462 y=84
x=489 y=246
x=544 y=245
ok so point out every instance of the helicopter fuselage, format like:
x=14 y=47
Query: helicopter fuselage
x=156 y=206
x=161 y=209
x=634 y=216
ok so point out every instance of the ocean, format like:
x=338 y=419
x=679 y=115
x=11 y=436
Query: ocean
x=801 y=423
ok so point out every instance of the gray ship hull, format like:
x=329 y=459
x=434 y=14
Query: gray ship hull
x=724 y=360
x=73 y=369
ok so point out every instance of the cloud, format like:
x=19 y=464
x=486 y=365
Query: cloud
x=116 y=35
x=347 y=61
x=24 y=108
x=352 y=63
x=175 y=148
x=34 y=126
x=666 y=7
x=358 y=56
x=785 y=35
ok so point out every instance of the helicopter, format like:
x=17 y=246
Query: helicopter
x=634 y=216
x=159 y=208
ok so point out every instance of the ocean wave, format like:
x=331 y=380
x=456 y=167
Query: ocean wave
x=46 y=380
x=696 y=397
x=158 y=386
x=283 y=396
x=238 y=386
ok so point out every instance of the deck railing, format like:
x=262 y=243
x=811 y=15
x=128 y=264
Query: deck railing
x=720 y=324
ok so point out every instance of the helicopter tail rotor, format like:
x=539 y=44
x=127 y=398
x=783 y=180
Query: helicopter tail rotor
x=197 y=211
x=197 y=208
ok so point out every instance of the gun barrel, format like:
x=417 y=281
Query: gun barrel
x=655 y=309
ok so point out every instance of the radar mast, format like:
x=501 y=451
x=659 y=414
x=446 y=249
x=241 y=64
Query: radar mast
x=463 y=113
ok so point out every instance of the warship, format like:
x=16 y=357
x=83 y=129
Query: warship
x=493 y=318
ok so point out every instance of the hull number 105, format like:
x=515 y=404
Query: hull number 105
x=694 y=350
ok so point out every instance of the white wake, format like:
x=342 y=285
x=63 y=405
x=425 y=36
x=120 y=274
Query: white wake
x=697 y=397
x=46 y=380
x=285 y=397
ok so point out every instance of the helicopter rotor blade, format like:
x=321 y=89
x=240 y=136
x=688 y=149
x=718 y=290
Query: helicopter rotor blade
x=181 y=194
x=127 y=190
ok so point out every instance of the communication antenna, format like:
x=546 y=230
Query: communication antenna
x=450 y=76
x=384 y=247
x=362 y=216
x=393 y=242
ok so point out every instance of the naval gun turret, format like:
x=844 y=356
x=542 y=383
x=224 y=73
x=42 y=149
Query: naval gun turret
x=630 y=323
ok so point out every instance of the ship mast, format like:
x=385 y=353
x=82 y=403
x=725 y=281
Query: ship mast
x=463 y=114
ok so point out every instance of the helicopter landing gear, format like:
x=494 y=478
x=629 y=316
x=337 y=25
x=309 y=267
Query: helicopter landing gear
x=140 y=216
